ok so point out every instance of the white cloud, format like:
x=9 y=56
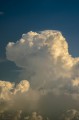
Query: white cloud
x=45 y=61
x=23 y=86
x=8 y=90
x=49 y=71
x=15 y=96
x=5 y=88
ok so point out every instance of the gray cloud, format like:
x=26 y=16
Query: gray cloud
x=71 y=114
x=34 y=116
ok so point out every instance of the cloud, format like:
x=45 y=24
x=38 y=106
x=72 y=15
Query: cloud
x=14 y=96
x=71 y=114
x=19 y=115
x=1 y=12
x=46 y=62
x=50 y=75
x=5 y=88
x=8 y=90
x=34 y=116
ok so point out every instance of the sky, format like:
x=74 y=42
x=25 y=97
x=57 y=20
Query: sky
x=18 y=17
x=39 y=50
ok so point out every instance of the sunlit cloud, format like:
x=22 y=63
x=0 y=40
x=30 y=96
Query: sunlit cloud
x=46 y=62
x=48 y=72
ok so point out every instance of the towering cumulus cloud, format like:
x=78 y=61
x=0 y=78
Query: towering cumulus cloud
x=50 y=76
x=46 y=62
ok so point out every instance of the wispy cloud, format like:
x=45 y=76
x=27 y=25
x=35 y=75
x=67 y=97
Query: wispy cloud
x=1 y=13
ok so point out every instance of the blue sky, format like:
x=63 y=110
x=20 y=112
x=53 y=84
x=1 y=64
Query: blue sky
x=47 y=67
x=20 y=16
